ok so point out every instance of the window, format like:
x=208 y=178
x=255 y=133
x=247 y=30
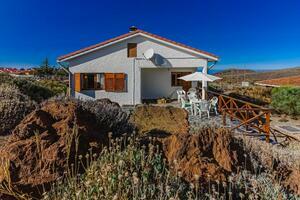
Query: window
x=111 y=82
x=99 y=81
x=115 y=82
x=174 y=78
x=131 y=50
x=93 y=81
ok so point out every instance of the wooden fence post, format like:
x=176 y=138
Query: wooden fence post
x=224 y=117
x=267 y=126
x=220 y=104
x=231 y=109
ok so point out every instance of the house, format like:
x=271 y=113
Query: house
x=132 y=67
x=293 y=81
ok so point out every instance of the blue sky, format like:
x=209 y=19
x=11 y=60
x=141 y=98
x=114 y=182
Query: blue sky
x=260 y=34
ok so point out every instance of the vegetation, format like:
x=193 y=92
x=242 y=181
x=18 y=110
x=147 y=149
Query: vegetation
x=37 y=90
x=286 y=100
x=46 y=70
x=128 y=170
x=14 y=106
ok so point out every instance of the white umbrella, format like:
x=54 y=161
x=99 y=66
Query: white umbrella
x=199 y=76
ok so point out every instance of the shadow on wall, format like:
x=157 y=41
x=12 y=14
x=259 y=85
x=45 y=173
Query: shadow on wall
x=159 y=60
x=87 y=94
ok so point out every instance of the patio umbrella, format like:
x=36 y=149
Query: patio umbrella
x=199 y=76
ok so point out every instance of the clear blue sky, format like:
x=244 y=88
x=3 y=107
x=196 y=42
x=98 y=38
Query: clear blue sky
x=244 y=33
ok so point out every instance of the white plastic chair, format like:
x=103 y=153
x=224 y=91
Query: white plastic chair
x=192 y=96
x=214 y=103
x=180 y=94
x=203 y=107
x=186 y=105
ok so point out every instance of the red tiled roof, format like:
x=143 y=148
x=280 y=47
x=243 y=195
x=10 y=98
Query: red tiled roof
x=286 y=81
x=130 y=34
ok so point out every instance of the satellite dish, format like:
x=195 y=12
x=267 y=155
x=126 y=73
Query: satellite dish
x=149 y=54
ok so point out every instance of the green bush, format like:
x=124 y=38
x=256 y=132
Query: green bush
x=37 y=90
x=286 y=100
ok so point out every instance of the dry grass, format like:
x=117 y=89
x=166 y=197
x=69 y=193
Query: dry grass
x=141 y=172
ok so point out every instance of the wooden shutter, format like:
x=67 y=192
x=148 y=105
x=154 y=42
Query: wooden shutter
x=131 y=50
x=77 y=82
x=120 y=82
x=109 y=82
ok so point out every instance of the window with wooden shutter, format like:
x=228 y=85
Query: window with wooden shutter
x=109 y=82
x=131 y=50
x=120 y=82
x=115 y=82
x=77 y=82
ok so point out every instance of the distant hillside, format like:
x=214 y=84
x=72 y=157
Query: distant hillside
x=233 y=71
x=237 y=75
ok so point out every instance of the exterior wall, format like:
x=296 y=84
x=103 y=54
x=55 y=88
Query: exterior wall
x=113 y=59
x=156 y=83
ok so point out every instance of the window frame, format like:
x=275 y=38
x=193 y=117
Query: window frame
x=94 y=81
x=178 y=82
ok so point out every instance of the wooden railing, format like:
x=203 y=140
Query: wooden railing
x=249 y=115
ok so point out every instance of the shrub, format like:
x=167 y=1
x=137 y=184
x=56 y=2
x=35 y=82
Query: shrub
x=13 y=107
x=286 y=100
x=108 y=114
x=36 y=90
x=56 y=87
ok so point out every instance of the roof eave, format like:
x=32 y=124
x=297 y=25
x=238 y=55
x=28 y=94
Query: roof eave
x=134 y=34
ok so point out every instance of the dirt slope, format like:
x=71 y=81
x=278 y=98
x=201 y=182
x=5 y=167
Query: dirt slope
x=44 y=145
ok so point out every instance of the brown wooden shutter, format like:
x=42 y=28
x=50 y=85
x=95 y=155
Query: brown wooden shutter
x=131 y=50
x=77 y=80
x=120 y=82
x=109 y=82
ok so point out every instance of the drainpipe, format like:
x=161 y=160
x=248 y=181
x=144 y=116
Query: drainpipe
x=204 y=83
x=212 y=65
x=133 y=93
x=65 y=68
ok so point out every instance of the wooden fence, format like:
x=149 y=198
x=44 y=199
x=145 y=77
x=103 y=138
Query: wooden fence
x=249 y=115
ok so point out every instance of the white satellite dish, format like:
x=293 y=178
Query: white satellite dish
x=149 y=54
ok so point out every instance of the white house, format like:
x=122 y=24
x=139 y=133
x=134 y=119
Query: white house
x=119 y=70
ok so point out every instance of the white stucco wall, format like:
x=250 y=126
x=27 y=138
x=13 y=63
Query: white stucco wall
x=113 y=59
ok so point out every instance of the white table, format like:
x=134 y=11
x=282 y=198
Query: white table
x=194 y=103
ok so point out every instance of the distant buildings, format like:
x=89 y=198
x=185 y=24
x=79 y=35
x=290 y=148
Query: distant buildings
x=17 y=71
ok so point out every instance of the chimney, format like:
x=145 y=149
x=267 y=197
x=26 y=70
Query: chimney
x=132 y=29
